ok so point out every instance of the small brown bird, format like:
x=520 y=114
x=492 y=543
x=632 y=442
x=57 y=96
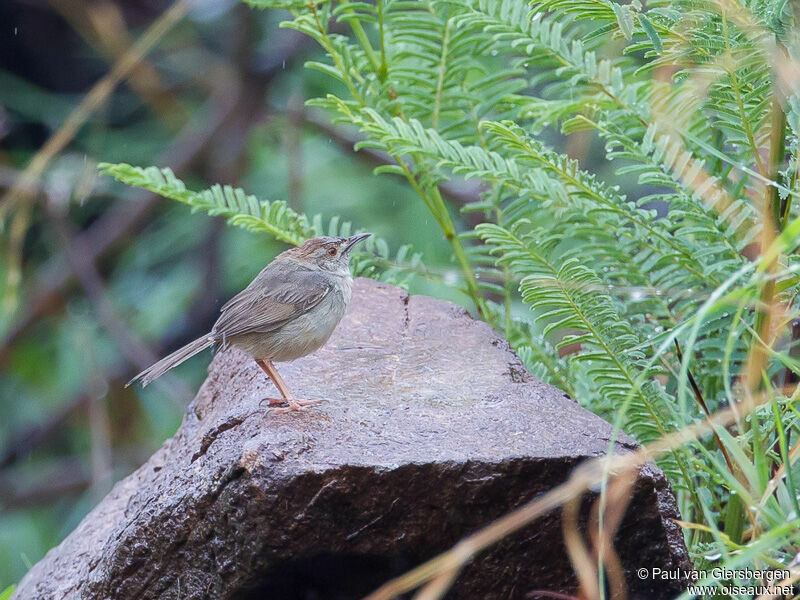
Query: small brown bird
x=289 y=310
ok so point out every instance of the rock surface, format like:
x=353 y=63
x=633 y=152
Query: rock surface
x=430 y=428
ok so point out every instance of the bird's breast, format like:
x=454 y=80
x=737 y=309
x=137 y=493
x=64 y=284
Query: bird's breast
x=306 y=333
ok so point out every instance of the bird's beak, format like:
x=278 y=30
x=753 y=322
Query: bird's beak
x=353 y=240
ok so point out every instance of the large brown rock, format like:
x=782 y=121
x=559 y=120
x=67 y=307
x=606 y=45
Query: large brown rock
x=430 y=428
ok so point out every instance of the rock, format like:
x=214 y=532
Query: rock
x=430 y=428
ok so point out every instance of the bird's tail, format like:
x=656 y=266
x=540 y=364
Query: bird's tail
x=173 y=360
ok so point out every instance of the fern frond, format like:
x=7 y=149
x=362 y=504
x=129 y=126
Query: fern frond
x=568 y=298
x=442 y=72
x=239 y=208
x=374 y=258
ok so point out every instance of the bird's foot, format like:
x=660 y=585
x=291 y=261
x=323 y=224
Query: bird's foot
x=278 y=405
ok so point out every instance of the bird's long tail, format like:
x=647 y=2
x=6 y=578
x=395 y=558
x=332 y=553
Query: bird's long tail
x=173 y=360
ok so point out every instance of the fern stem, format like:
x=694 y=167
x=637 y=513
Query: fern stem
x=383 y=72
x=770 y=215
x=435 y=203
x=740 y=105
x=326 y=43
x=777 y=150
x=432 y=199
x=361 y=36
x=437 y=104
x=507 y=278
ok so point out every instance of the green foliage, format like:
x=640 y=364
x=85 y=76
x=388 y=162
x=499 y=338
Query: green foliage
x=239 y=208
x=646 y=300
x=373 y=259
x=163 y=270
x=654 y=292
x=573 y=304
x=6 y=593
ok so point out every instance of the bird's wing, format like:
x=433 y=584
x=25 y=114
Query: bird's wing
x=271 y=300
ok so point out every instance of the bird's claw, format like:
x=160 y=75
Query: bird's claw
x=294 y=404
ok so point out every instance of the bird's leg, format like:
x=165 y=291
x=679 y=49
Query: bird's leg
x=286 y=395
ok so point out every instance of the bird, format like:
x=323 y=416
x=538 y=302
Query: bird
x=290 y=309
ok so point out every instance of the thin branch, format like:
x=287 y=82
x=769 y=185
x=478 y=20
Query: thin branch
x=96 y=96
x=701 y=401
x=122 y=219
x=128 y=215
x=130 y=346
x=27 y=439
x=102 y=26
x=72 y=477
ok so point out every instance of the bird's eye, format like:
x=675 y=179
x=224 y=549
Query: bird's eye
x=332 y=251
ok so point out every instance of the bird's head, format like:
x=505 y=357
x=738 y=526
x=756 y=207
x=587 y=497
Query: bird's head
x=328 y=253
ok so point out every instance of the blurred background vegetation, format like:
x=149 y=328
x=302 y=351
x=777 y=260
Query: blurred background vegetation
x=110 y=277
x=501 y=115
